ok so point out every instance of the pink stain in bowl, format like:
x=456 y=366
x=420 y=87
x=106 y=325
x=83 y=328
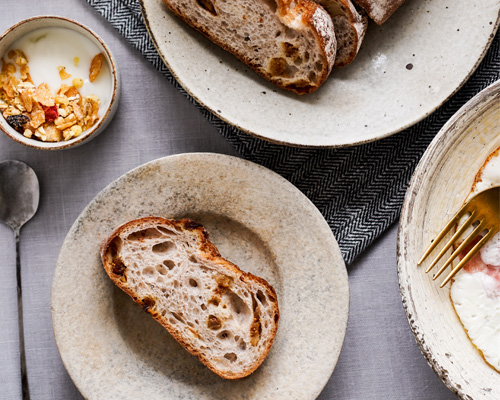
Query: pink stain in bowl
x=476 y=264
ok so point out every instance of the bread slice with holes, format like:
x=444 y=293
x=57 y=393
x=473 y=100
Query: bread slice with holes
x=350 y=27
x=226 y=317
x=291 y=43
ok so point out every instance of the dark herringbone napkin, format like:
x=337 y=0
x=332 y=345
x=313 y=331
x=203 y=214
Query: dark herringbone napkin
x=359 y=190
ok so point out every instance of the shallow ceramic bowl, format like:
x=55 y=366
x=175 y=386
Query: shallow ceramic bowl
x=24 y=27
x=438 y=188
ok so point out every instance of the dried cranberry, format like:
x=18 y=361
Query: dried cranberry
x=51 y=113
x=17 y=121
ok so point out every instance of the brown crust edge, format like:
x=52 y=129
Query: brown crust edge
x=367 y=6
x=323 y=41
x=362 y=20
x=210 y=252
x=315 y=22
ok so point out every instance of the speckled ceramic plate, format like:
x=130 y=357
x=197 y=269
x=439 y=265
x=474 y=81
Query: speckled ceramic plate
x=438 y=188
x=113 y=350
x=405 y=70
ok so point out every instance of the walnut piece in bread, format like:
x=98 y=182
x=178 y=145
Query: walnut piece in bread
x=226 y=317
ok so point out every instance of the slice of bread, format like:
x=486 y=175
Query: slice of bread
x=226 y=317
x=379 y=10
x=350 y=28
x=291 y=43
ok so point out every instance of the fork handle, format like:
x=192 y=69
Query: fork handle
x=20 y=320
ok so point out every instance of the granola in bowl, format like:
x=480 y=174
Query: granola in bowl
x=37 y=111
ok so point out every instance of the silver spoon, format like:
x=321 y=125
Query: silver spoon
x=19 y=195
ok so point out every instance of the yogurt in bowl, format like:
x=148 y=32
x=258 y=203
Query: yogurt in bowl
x=59 y=84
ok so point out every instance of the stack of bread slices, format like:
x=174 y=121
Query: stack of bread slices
x=292 y=43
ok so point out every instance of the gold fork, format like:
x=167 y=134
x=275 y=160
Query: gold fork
x=484 y=209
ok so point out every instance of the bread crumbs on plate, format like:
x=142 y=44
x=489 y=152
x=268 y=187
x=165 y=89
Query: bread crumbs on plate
x=36 y=111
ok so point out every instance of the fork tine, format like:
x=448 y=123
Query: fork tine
x=460 y=248
x=457 y=234
x=445 y=230
x=468 y=256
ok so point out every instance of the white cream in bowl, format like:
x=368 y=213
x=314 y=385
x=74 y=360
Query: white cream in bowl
x=50 y=48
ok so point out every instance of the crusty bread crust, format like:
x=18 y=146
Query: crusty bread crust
x=379 y=10
x=304 y=18
x=350 y=27
x=208 y=253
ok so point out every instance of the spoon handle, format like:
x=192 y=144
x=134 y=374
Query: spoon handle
x=22 y=353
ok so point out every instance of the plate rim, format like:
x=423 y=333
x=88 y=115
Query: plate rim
x=485 y=48
x=410 y=196
x=341 y=274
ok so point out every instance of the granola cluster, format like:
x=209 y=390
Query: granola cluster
x=36 y=111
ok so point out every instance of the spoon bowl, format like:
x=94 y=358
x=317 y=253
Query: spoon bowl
x=19 y=193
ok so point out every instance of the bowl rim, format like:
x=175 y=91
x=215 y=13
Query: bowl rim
x=102 y=122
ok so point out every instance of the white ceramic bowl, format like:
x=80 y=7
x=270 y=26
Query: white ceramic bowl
x=26 y=26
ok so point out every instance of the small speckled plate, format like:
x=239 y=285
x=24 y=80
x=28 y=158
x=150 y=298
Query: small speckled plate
x=114 y=350
x=438 y=188
x=404 y=71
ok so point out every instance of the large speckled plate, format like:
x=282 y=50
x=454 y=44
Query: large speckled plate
x=405 y=70
x=114 y=350
x=438 y=188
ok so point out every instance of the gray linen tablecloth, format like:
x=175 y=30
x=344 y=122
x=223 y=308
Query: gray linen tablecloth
x=380 y=359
